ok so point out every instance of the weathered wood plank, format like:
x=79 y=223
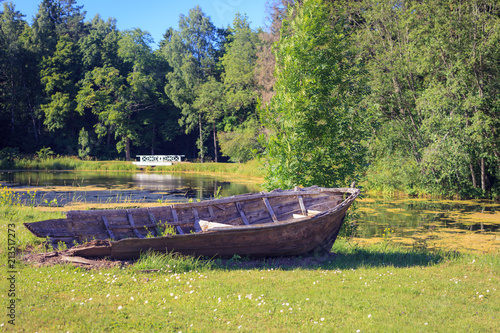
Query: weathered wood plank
x=246 y=197
x=176 y=219
x=302 y=206
x=149 y=225
x=220 y=207
x=79 y=260
x=197 y=227
x=108 y=228
x=131 y=220
x=242 y=213
x=211 y=212
x=270 y=209
x=153 y=221
x=151 y=217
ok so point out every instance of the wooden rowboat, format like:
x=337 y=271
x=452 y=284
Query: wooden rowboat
x=277 y=223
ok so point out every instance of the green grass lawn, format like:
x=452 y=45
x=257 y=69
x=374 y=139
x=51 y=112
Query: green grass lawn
x=370 y=288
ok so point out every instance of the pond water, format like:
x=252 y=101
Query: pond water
x=430 y=223
x=378 y=213
x=194 y=185
x=472 y=225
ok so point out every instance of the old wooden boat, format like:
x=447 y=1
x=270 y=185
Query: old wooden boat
x=277 y=223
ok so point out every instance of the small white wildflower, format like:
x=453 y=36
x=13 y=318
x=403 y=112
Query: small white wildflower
x=131 y=298
x=369 y=316
x=146 y=302
x=120 y=307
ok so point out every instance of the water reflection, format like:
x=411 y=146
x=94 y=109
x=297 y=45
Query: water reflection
x=191 y=185
x=67 y=178
x=198 y=186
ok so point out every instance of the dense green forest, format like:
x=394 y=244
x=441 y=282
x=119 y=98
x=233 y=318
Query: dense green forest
x=395 y=95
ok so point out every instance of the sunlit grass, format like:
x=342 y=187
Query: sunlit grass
x=252 y=169
x=376 y=286
x=366 y=288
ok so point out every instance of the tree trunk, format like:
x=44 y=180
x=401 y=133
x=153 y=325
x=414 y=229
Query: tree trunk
x=127 y=149
x=484 y=176
x=32 y=113
x=200 y=146
x=215 y=144
x=474 y=182
x=13 y=112
x=153 y=142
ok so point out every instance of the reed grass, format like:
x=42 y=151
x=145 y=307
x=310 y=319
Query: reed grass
x=249 y=169
x=252 y=168
x=71 y=163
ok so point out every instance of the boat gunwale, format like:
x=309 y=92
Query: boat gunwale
x=253 y=227
x=240 y=198
x=272 y=194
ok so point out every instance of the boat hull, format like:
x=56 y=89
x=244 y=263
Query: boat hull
x=282 y=233
x=280 y=239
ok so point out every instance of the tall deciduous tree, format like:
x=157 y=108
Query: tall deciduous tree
x=238 y=76
x=60 y=75
x=118 y=98
x=314 y=117
x=434 y=76
x=12 y=74
x=56 y=29
x=191 y=53
x=100 y=47
x=209 y=103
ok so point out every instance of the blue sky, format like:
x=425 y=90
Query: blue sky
x=156 y=16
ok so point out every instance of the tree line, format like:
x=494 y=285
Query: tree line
x=400 y=95
x=84 y=87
